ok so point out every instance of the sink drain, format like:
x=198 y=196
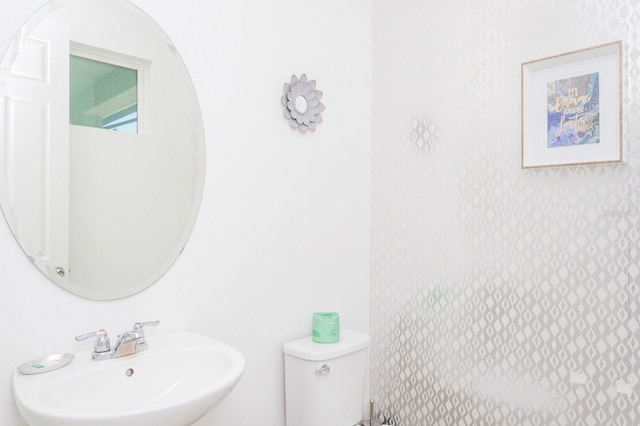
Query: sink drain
x=129 y=372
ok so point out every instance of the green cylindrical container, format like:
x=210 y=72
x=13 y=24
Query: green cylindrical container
x=326 y=327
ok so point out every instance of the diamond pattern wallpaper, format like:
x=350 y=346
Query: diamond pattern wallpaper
x=500 y=296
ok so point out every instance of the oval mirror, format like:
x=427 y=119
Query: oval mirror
x=101 y=147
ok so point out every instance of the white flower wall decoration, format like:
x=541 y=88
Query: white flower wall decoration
x=302 y=104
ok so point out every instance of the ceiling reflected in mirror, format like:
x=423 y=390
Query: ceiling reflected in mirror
x=102 y=95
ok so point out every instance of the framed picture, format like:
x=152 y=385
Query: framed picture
x=572 y=108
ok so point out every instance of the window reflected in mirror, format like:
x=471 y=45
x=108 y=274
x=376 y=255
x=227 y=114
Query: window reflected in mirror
x=103 y=95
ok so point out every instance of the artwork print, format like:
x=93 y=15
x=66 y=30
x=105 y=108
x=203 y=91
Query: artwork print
x=573 y=111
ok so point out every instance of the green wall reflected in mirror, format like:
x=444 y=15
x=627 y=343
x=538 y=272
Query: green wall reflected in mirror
x=103 y=95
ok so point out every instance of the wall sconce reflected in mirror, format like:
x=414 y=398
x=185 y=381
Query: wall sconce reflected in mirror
x=302 y=104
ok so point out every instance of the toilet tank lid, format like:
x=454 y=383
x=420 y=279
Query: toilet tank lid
x=350 y=341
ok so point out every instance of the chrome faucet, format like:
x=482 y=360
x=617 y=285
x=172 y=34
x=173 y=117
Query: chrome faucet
x=128 y=343
x=102 y=348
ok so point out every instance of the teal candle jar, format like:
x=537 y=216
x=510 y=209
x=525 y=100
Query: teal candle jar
x=326 y=327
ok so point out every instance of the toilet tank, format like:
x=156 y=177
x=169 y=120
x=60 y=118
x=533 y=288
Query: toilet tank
x=325 y=383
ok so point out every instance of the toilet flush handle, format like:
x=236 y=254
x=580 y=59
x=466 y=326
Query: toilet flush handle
x=323 y=370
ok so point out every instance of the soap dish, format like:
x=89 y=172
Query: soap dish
x=45 y=364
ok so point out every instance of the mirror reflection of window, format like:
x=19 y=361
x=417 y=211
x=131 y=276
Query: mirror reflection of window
x=103 y=95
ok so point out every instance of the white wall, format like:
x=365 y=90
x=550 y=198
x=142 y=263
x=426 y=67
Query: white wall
x=495 y=290
x=284 y=224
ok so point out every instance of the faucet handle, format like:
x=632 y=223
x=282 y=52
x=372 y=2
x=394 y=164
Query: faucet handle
x=140 y=325
x=102 y=341
x=141 y=343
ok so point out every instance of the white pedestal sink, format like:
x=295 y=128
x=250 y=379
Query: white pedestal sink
x=175 y=382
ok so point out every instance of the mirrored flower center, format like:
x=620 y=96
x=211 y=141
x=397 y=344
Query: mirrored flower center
x=300 y=104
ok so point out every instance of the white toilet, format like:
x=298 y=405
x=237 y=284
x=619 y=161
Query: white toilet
x=325 y=383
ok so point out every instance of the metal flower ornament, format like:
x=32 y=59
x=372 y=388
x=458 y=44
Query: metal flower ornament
x=302 y=104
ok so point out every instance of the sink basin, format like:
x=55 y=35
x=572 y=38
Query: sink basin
x=175 y=382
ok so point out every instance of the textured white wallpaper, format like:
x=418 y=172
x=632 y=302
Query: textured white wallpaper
x=500 y=296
